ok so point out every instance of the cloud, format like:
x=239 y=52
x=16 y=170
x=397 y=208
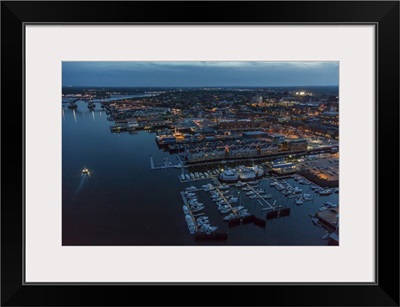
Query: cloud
x=200 y=73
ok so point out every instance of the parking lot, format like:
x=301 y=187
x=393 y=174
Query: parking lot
x=324 y=168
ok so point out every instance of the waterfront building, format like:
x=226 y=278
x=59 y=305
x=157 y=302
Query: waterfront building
x=283 y=168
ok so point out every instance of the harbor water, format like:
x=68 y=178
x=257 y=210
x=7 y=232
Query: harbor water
x=124 y=202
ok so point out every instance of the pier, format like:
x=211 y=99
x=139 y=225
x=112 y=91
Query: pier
x=278 y=213
x=167 y=165
x=270 y=207
x=225 y=200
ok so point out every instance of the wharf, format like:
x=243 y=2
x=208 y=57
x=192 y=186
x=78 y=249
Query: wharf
x=165 y=166
x=259 y=196
x=226 y=200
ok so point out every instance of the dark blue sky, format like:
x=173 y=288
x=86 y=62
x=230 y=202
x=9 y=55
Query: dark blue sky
x=165 y=74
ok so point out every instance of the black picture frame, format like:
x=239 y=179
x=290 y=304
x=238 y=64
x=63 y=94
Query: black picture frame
x=383 y=14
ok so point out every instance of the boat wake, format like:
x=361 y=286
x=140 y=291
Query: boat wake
x=83 y=181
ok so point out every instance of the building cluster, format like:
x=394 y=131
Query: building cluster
x=213 y=123
x=228 y=149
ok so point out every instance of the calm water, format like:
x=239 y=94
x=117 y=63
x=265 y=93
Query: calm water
x=118 y=97
x=123 y=202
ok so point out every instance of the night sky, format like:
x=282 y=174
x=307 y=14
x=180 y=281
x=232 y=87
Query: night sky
x=180 y=74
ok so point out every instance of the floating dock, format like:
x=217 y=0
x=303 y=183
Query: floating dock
x=278 y=213
x=261 y=198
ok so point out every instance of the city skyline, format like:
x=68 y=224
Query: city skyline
x=200 y=74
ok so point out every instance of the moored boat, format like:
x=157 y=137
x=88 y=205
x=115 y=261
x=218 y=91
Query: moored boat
x=228 y=175
x=325 y=192
x=190 y=223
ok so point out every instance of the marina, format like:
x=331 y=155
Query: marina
x=222 y=195
x=172 y=201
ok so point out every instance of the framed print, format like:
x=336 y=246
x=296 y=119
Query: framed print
x=247 y=145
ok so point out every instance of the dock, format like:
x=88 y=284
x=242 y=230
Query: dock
x=260 y=197
x=166 y=165
x=278 y=213
x=225 y=200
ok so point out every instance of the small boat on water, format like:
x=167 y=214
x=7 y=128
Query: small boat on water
x=185 y=210
x=268 y=196
x=328 y=204
x=197 y=209
x=244 y=213
x=187 y=177
x=207 y=228
x=238 y=208
x=239 y=184
x=190 y=223
x=230 y=216
x=307 y=196
x=183 y=177
x=325 y=192
x=223 y=187
x=299 y=202
x=225 y=210
x=85 y=171
x=192 y=175
x=297 y=190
